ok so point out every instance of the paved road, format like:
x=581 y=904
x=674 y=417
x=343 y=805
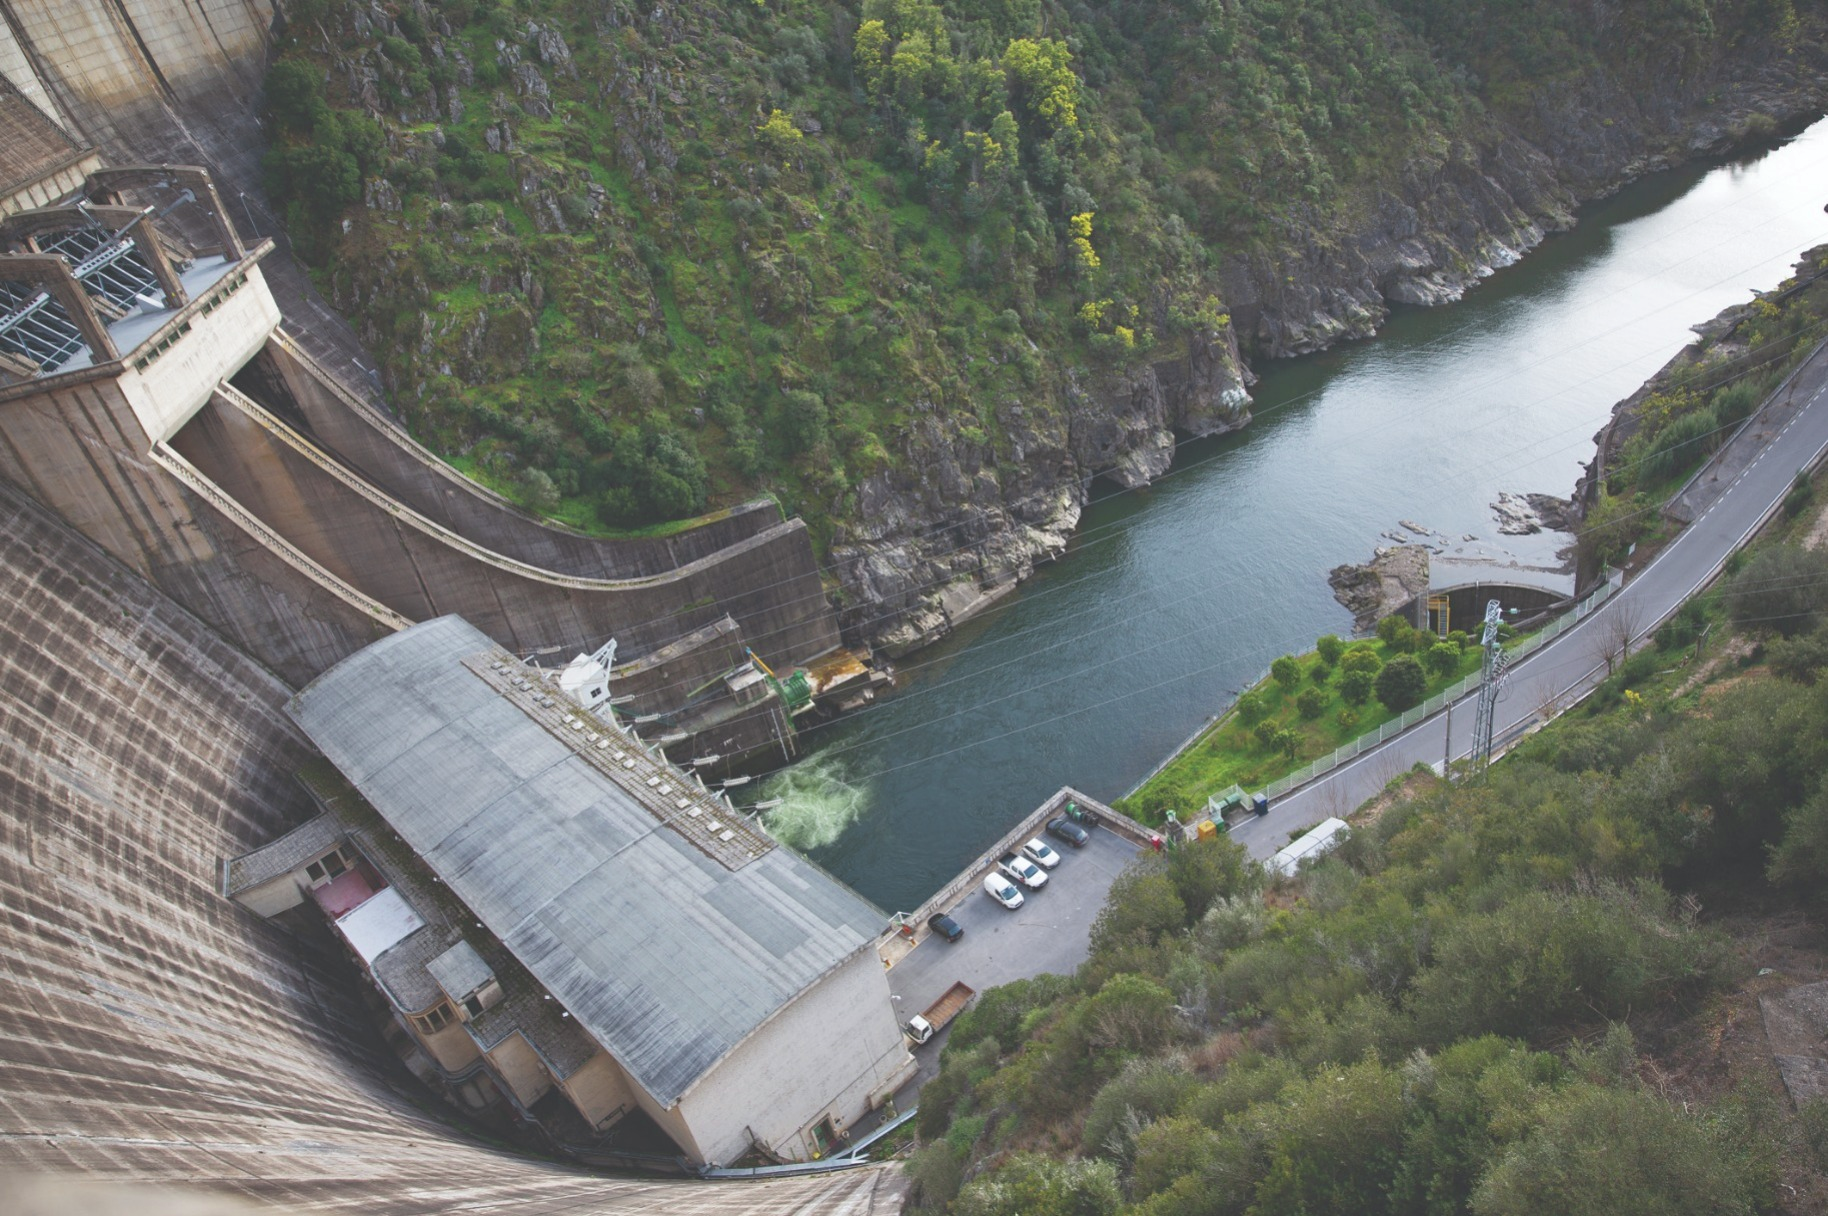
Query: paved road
x=1750 y=477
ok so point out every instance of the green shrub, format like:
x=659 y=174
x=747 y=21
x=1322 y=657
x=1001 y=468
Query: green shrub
x=1597 y=1151
x=1736 y=402
x=1681 y=442
x=1397 y=634
x=1039 y=1186
x=1311 y=703
x=1401 y=683
x=1355 y=687
x=1441 y=658
x=1146 y=1090
x=1286 y=672
x=1781 y=588
x=1251 y=708
x=1550 y=959
x=1330 y=647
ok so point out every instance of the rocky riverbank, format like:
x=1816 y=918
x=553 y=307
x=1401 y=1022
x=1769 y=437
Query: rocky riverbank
x=631 y=263
x=927 y=551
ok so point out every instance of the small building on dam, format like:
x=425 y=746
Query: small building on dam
x=564 y=922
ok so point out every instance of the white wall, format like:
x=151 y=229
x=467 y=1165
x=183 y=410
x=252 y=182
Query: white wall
x=832 y=1051
x=167 y=392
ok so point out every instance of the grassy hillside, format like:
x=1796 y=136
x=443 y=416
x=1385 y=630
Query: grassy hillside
x=1537 y=992
x=630 y=261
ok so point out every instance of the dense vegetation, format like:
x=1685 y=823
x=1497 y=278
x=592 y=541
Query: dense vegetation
x=624 y=260
x=1476 y=1005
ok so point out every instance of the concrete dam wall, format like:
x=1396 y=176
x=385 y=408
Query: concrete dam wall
x=151 y=1030
x=132 y=74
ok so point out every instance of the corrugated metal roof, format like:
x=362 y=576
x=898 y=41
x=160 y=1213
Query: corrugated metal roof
x=668 y=958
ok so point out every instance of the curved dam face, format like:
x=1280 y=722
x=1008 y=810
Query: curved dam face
x=152 y=1031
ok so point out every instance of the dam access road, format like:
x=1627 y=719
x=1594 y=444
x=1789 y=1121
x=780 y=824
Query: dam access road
x=1732 y=496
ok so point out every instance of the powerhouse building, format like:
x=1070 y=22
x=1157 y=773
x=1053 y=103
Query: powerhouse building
x=552 y=909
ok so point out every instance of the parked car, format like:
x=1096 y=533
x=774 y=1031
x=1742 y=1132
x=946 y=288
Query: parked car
x=1023 y=871
x=1037 y=851
x=1065 y=829
x=1003 y=891
x=945 y=926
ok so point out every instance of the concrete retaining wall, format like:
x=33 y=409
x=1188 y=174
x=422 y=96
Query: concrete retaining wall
x=421 y=571
x=1031 y=825
x=287 y=381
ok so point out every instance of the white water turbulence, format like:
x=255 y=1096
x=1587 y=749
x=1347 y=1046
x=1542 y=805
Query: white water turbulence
x=818 y=801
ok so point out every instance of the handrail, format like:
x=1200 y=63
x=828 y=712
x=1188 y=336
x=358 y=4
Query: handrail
x=406 y=515
x=167 y=458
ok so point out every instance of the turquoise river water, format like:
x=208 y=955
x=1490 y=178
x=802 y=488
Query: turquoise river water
x=1172 y=598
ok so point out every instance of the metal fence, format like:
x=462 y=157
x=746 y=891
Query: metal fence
x=1433 y=705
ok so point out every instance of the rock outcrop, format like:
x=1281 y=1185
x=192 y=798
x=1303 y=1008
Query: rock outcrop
x=1391 y=581
x=952 y=529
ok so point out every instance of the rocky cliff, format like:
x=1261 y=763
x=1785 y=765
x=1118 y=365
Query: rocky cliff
x=739 y=242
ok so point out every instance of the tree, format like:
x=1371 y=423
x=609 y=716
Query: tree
x=1286 y=671
x=1782 y=588
x=1441 y=658
x=1360 y=658
x=1209 y=870
x=1401 y=683
x=1330 y=647
x=1310 y=703
x=1288 y=742
x=1141 y=906
x=295 y=96
x=1355 y=687
x=1266 y=733
x=651 y=474
x=1251 y=708
x=1397 y=634
x=805 y=422
x=1041 y=69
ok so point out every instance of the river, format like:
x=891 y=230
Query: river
x=1172 y=598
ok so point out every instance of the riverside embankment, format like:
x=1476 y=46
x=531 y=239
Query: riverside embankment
x=1173 y=598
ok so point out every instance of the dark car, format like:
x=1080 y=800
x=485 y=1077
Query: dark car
x=945 y=926
x=1065 y=829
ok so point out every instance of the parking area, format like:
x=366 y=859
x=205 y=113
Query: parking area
x=1050 y=932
